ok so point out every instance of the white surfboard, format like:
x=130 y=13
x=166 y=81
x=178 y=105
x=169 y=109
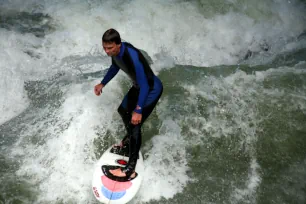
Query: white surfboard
x=109 y=191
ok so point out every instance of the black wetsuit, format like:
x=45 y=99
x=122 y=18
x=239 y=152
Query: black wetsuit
x=141 y=98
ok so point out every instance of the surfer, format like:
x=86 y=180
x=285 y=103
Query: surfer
x=140 y=100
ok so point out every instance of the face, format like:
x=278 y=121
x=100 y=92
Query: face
x=111 y=49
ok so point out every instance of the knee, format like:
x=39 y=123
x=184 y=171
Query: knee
x=121 y=110
x=136 y=132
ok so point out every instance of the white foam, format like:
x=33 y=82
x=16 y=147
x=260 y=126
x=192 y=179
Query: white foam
x=179 y=29
x=13 y=98
x=166 y=165
x=252 y=183
x=231 y=114
x=62 y=166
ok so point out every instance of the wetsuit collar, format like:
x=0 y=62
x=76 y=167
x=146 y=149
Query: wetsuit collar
x=122 y=48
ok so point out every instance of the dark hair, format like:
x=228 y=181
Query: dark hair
x=111 y=35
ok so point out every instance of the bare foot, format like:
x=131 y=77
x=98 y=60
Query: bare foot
x=118 y=172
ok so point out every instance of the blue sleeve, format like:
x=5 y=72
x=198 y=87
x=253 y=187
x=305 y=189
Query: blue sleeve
x=112 y=71
x=141 y=80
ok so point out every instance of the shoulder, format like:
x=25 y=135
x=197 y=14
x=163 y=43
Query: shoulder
x=129 y=47
x=132 y=51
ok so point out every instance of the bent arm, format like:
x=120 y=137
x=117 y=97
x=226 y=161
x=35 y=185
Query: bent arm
x=112 y=71
x=141 y=80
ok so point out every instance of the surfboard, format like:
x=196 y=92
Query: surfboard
x=111 y=190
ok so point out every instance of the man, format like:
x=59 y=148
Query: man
x=140 y=100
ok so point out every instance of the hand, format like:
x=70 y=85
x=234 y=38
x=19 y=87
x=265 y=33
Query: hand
x=98 y=89
x=136 y=118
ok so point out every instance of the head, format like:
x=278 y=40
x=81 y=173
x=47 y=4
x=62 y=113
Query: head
x=111 y=42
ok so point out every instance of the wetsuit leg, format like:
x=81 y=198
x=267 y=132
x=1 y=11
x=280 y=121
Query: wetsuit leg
x=126 y=109
x=126 y=118
x=135 y=144
x=135 y=137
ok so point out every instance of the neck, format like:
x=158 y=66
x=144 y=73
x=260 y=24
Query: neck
x=118 y=52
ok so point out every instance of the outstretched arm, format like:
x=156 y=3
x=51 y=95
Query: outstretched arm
x=112 y=71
